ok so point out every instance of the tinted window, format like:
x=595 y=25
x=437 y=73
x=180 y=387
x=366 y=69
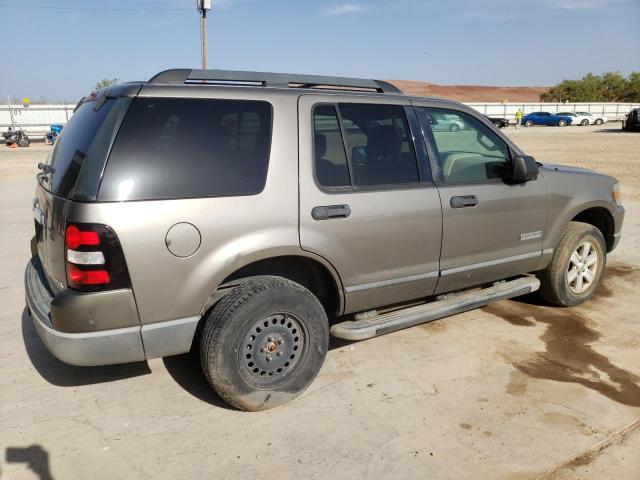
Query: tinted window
x=77 y=148
x=379 y=144
x=180 y=148
x=470 y=151
x=330 y=157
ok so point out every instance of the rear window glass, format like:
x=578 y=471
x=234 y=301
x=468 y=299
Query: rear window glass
x=78 y=147
x=182 y=148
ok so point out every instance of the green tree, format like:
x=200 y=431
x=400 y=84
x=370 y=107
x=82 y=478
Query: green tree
x=106 y=82
x=632 y=90
x=608 y=87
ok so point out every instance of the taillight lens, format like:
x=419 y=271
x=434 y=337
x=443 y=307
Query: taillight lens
x=94 y=258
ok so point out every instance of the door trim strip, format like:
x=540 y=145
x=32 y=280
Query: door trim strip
x=391 y=282
x=490 y=263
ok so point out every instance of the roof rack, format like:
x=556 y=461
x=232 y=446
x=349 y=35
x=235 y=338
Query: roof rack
x=268 y=79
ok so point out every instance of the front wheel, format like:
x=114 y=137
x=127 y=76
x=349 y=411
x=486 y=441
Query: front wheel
x=576 y=268
x=599 y=121
x=528 y=123
x=264 y=343
x=24 y=141
x=584 y=122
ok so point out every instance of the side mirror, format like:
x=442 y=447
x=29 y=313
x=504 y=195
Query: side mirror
x=525 y=168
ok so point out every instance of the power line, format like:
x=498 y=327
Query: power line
x=95 y=9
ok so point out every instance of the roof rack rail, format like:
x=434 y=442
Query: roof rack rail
x=268 y=79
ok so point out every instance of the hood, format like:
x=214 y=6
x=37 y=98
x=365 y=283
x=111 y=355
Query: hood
x=565 y=168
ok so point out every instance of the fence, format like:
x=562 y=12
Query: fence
x=37 y=119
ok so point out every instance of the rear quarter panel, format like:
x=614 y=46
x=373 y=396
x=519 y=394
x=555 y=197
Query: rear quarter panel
x=235 y=231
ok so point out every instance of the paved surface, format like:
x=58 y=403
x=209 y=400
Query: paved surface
x=515 y=390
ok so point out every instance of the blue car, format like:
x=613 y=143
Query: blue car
x=546 y=118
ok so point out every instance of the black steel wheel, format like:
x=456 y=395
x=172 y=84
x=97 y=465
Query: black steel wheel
x=264 y=342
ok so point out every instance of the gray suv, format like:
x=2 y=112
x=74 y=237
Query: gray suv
x=250 y=215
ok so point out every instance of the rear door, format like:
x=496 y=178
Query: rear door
x=75 y=162
x=492 y=229
x=367 y=202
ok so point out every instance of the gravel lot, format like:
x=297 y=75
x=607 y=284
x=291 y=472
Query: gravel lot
x=515 y=390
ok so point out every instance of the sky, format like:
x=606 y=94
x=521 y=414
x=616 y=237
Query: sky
x=59 y=49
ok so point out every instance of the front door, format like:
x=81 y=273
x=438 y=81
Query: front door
x=367 y=203
x=492 y=228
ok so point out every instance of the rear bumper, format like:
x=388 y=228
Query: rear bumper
x=104 y=347
x=119 y=345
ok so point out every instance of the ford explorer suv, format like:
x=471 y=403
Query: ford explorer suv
x=250 y=216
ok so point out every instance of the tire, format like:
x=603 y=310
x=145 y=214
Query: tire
x=454 y=127
x=528 y=123
x=584 y=122
x=24 y=141
x=562 y=123
x=263 y=343
x=598 y=121
x=556 y=283
x=498 y=124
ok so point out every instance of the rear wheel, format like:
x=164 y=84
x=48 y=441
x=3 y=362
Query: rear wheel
x=584 y=122
x=528 y=123
x=576 y=268
x=264 y=343
x=562 y=123
x=598 y=121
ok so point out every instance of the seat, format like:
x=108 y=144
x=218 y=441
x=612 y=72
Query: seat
x=328 y=173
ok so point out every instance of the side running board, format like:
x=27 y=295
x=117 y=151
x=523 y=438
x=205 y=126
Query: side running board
x=372 y=325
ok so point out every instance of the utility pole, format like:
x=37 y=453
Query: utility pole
x=203 y=6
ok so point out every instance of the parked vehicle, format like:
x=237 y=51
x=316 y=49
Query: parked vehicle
x=199 y=219
x=594 y=119
x=54 y=132
x=632 y=122
x=576 y=118
x=444 y=122
x=499 y=122
x=546 y=118
x=16 y=135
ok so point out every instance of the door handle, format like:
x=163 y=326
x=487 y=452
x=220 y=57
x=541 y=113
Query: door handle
x=464 y=201
x=328 y=212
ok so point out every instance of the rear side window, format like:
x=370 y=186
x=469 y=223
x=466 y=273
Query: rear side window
x=82 y=147
x=379 y=147
x=184 y=148
x=330 y=157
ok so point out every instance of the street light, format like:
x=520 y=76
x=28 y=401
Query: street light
x=203 y=6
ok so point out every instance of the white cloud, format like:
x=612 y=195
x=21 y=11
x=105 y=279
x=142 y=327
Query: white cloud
x=575 y=5
x=346 y=8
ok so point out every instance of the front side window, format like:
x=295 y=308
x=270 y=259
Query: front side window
x=467 y=150
x=187 y=148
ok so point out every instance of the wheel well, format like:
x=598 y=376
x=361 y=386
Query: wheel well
x=601 y=219
x=307 y=272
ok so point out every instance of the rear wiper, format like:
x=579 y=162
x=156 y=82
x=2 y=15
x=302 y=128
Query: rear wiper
x=46 y=168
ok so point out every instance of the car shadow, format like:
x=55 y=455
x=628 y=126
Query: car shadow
x=63 y=375
x=186 y=371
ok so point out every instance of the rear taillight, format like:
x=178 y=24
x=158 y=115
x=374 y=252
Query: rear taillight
x=94 y=258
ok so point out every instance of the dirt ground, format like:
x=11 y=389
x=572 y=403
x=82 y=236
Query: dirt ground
x=517 y=390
